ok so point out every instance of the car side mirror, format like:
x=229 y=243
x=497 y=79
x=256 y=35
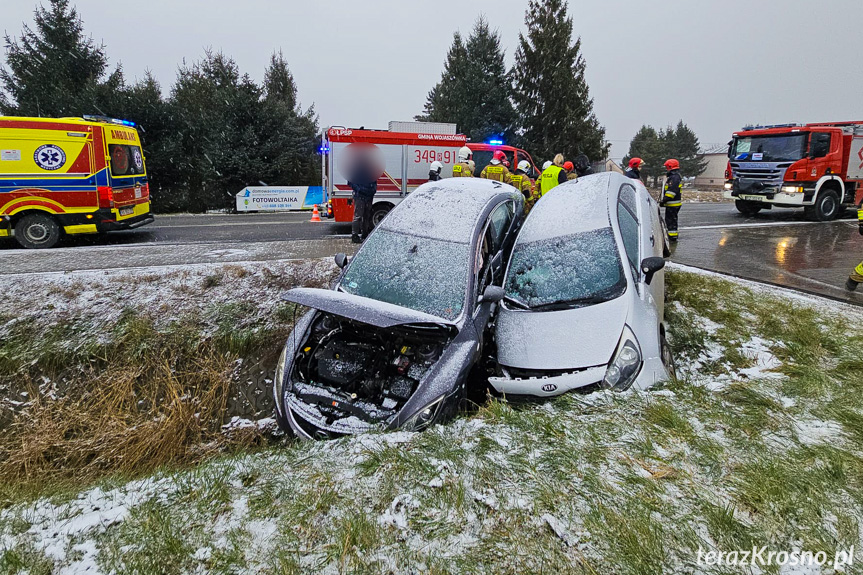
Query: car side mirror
x=649 y=266
x=492 y=294
x=341 y=260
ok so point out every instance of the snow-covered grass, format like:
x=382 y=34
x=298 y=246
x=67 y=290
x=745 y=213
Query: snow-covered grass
x=758 y=443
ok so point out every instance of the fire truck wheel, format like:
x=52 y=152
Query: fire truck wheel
x=379 y=211
x=826 y=207
x=747 y=208
x=36 y=231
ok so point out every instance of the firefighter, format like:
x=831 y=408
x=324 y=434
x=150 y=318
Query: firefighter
x=570 y=171
x=672 y=197
x=634 y=169
x=553 y=175
x=521 y=179
x=465 y=166
x=582 y=165
x=434 y=171
x=856 y=277
x=496 y=170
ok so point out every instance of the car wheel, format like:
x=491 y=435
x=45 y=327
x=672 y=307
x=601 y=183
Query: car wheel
x=667 y=357
x=379 y=211
x=37 y=231
x=826 y=207
x=747 y=208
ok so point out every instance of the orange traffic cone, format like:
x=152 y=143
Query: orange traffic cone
x=316 y=215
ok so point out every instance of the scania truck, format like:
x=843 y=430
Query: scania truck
x=817 y=167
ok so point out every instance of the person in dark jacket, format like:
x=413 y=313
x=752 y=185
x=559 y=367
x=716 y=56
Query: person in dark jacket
x=582 y=165
x=672 y=197
x=634 y=169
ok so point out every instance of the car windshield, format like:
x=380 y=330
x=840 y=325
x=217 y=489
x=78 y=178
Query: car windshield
x=421 y=274
x=568 y=271
x=783 y=148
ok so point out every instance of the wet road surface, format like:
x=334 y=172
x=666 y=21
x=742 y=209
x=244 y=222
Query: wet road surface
x=776 y=246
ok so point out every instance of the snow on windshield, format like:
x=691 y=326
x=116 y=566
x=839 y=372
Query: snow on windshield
x=579 y=267
x=446 y=210
x=569 y=208
x=421 y=274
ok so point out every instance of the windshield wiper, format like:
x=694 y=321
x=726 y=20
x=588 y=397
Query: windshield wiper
x=570 y=304
x=516 y=303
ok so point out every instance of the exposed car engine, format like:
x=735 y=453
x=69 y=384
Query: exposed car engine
x=347 y=368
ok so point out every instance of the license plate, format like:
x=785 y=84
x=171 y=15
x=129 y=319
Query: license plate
x=127 y=211
x=753 y=198
x=137 y=193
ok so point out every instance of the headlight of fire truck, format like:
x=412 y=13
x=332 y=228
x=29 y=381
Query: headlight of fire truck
x=792 y=189
x=728 y=185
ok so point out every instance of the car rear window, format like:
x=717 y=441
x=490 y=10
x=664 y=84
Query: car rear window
x=126 y=160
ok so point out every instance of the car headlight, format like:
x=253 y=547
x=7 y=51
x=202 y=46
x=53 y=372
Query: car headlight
x=279 y=378
x=625 y=364
x=792 y=189
x=423 y=418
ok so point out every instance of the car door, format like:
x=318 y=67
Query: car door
x=499 y=228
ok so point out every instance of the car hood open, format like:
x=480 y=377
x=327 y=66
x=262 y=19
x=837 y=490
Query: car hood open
x=362 y=309
x=560 y=340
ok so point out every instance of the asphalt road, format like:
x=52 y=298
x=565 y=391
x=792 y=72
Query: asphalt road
x=776 y=246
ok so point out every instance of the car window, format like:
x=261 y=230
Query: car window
x=484 y=257
x=126 y=160
x=422 y=274
x=629 y=198
x=577 y=269
x=820 y=144
x=629 y=231
x=499 y=223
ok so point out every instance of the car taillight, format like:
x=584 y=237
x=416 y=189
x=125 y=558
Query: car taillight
x=145 y=191
x=106 y=197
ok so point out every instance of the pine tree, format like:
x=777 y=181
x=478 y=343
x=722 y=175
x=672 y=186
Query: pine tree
x=647 y=146
x=687 y=150
x=55 y=70
x=550 y=91
x=474 y=90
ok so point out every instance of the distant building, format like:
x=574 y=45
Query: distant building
x=714 y=174
x=606 y=166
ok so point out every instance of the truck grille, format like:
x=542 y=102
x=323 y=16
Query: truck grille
x=769 y=176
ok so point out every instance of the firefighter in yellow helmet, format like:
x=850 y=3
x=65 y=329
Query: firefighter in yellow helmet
x=552 y=175
x=465 y=166
x=496 y=170
x=856 y=277
x=521 y=179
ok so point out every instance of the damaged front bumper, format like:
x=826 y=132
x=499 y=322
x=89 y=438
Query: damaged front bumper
x=547 y=386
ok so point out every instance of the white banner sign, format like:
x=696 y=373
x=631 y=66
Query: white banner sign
x=271 y=198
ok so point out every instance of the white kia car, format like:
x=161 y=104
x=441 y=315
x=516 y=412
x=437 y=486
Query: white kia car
x=584 y=303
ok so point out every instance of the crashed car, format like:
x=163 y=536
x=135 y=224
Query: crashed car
x=392 y=344
x=584 y=293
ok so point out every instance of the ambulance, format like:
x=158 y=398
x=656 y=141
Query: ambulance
x=404 y=153
x=66 y=176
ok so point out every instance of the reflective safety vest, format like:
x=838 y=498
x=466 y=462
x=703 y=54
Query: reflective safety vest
x=550 y=178
x=461 y=170
x=522 y=183
x=672 y=192
x=494 y=172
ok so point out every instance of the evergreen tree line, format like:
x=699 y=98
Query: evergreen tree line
x=217 y=132
x=542 y=104
x=654 y=147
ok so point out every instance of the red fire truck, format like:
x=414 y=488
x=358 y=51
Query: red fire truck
x=818 y=167
x=405 y=158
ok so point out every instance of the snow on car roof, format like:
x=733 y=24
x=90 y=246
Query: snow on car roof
x=576 y=206
x=444 y=210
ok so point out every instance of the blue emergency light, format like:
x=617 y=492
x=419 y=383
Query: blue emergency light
x=495 y=142
x=108 y=120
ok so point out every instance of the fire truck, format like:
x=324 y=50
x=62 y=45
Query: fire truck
x=70 y=176
x=405 y=152
x=817 y=167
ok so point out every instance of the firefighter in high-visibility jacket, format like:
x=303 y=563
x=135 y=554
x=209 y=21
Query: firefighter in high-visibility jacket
x=672 y=197
x=495 y=170
x=464 y=167
x=856 y=277
x=552 y=175
x=521 y=180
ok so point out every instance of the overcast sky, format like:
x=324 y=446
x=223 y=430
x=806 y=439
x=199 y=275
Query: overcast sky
x=715 y=65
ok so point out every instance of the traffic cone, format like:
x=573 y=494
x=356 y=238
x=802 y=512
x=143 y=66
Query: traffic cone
x=316 y=215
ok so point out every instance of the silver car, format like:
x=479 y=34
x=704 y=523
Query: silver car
x=584 y=293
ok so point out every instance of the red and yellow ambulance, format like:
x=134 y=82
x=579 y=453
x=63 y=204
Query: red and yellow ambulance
x=70 y=176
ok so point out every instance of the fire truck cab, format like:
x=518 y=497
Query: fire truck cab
x=817 y=167
x=70 y=176
x=402 y=160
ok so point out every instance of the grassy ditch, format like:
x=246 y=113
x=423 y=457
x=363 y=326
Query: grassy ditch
x=139 y=385
x=757 y=443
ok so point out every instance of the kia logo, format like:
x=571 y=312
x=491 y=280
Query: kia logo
x=549 y=387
